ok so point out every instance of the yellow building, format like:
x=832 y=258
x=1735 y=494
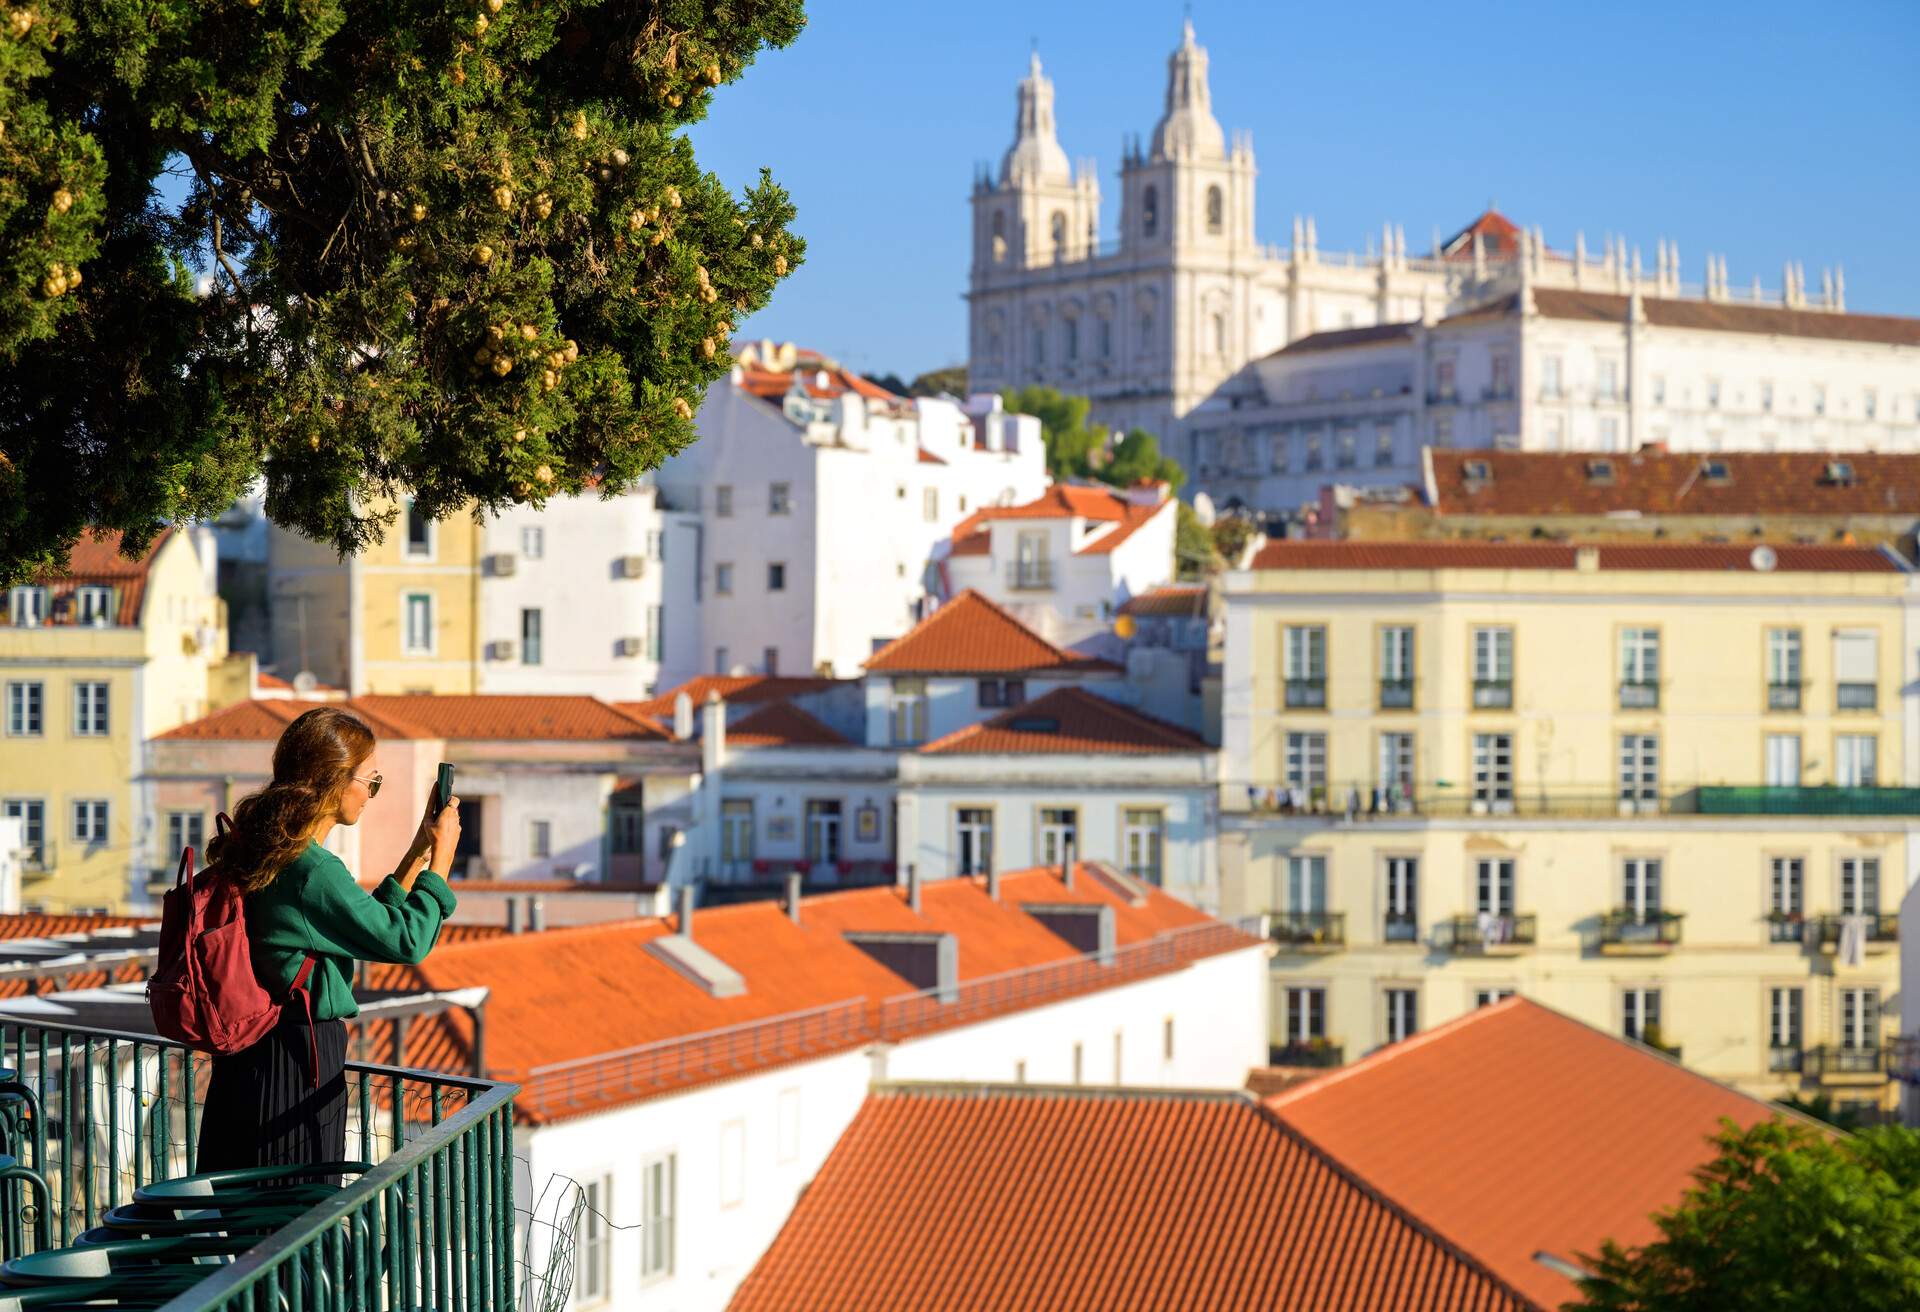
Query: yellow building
x=398 y=618
x=95 y=662
x=1662 y=787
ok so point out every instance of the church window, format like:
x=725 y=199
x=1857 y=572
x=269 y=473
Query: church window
x=1146 y=330
x=1282 y=440
x=1073 y=339
x=1219 y=334
x=1105 y=337
x=1216 y=210
x=1059 y=235
x=999 y=238
x=1314 y=458
x=1382 y=445
x=1346 y=448
x=1039 y=344
x=1150 y=211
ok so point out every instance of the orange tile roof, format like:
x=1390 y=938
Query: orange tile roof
x=1670 y=483
x=971 y=635
x=1337 y=339
x=1101 y=505
x=37 y=925
x=1704 y=316
x=782 y=724
x=1112 y=1199
x=740 y=689
x=929 y=458
x=1697 y=556
x=95 y=561
x=1496 y=231
x=1516 y=1130
x=822 y=378
x=1179 y=600
x=428 y=715
x=1068 y=720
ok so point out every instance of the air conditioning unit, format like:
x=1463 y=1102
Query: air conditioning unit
x=628 y=647
x=633 y=567
x=502 y=565
x=500 y=651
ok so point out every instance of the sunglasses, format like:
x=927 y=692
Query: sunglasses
x=373 y=784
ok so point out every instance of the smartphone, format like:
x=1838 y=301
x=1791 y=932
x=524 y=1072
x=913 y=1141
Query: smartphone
x=442 y=788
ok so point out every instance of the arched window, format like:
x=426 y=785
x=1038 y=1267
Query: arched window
x=1105 y=337
x=1073 y=338
x=1059 y=235
x=1146 y=330
x=1219 y=334
x=1216 y=210
x=1149 y=211
x=999 y=237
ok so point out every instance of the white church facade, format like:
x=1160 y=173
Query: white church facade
x=1273 y=371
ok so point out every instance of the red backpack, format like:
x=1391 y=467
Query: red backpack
x=203 y=991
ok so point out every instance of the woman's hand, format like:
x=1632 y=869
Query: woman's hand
x=445 y=831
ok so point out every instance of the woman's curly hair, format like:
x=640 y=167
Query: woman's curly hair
x=312 y=765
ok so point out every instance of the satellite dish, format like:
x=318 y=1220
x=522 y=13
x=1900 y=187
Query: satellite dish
x=1763 y=559
x=305 y=681
x=1203 y=508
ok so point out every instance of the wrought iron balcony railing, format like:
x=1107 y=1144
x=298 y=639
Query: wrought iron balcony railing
x=1366 y=799
x=1306 y=694
x=1783 y=696
x=1322 y=931
x=1478 y=934
x=1830 y=1061
x=1785 y=1061
x=1396 y=694
x=1855 y=696
x=1400 y=927
x=1307 y=1052
x=1639 y=696
x=1492 y=694
x=1030 y=575
x=1640 y=929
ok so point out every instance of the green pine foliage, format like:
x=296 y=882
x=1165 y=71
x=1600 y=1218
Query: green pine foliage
x=461 y=250
x=1785 y=1219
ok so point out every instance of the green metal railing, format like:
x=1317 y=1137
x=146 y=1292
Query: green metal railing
x=430 y=1225
x=1715 y=800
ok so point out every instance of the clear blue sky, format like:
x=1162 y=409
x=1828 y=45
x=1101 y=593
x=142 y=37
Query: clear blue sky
x=1760 y=130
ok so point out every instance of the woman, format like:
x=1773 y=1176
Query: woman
x=284 y=1100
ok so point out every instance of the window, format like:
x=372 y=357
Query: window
x=909 y=711
x=1607 y=380
x=723 y=501
x=1640 y=1013
x=1142 y=839
x=1785 y=1007
x=1059 y=830
x=1556 y=433
x=1783 y=669
x=1316 y=449
x=1859 y=1018
x=1639 y=769
x=777 y=576
x=733 y=1163
x=1001 y=693
x=1853 y=765
x=1166 y=1039
x=656 y=1217
x=1493 y=771
x=594 y=1281
x=419 y=533
x=1493 y=886
x=1306 y=762
x=1786 y=897
x=1487 y=997
x=1502 y=376
x=779 y=498
x=1030 y=561
x=26 y=704
x=1403 y=1013
x=1659 y=389
x=1819 y=399
x=1103 y=336
x=1382 y=446
x=656 y=637
x=736 y=830
x=1149 y=211
x=90 y=821
x=1856 y=669
x=1713 y=393
x=1396 y=667
x=1306 y=660
x=1609 y=434
x=1219 y=334
x=1493 y=668
x=1443 y=430
x=1443 y=382
x=90 y=709
x=787 y=1126
x=1306 y=1015
x=723 y=578
x=627 y=825
x=1216 y=210
x=1403 y=900
x=1870 y=403
x=530 y=636
x=656 y=545
x=93 y=605
x=1766 y=394
x=1346 y=448
x=32 y=816
x=719 y=660
x=1639 y=668
x=1057 y=229
x=770 y=660
x=1550 y=375
x=27 y=607
x=533 y=542
x=1860 y=886
x=973 y=838
x=539 y=839
x=930 y=504
x=1640 y=886
x=185 y=829
x=1783 y=760
x=416 y=611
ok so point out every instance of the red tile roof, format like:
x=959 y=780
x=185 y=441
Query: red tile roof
x=740 y=689
x=427 y=715
x=1516 y=1130
x=1296 y=554
x=37 y=925
x=1497 y=232
x=1524 y=483
x=1704 y=316
x=782 y=724
x=1338 y=339
x=1178 y=600
x=929 y=458
x=822 y=378
x=1100 y=505
x=971 y=635
x=1108 y=1199
x=95 y=561
x=1068 y=721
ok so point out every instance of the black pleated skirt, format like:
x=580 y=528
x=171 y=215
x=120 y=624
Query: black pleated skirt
x=263 y=1108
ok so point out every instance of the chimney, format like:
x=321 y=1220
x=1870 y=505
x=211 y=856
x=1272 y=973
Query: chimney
x=913 y=887
x=685 y=926
x=536 y=914
x=683 y=716
x=513 y=915
x=713 y=734
x=793 y=896
x=1586 y=559
x=1066 y=864
x=993 y=880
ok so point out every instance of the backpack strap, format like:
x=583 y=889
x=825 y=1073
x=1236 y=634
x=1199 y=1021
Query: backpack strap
x=299 y=986
x=222 y=824
x=185 y=874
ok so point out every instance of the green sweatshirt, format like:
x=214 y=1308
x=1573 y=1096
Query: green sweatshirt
x=314 y=906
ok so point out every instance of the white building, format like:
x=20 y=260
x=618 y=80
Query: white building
x=1065 y=563
x=822 y=498
x=588 y=595
x=1160 y=328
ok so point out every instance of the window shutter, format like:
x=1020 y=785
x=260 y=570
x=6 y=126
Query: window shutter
x=1856 y=656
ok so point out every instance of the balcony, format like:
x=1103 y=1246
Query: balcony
x=1842 y=1064
x=1794 y=800
x=1306 y=694
x=1307 y=1052
x=1855 y=696
x=1308 y=931
x=38 y=860
x=1903 y=1058
x=1400 y=927
x=1493 y=694
x=1882 y=931
x=1639 y=934
x=1786 y=927
x=1030 y=576
x=1785 y=1061
x=1488 y=936
x=1783 y=696
x=1639 y=696
x=1651 y=1039
x=425 y=1218
x=1396 y=694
